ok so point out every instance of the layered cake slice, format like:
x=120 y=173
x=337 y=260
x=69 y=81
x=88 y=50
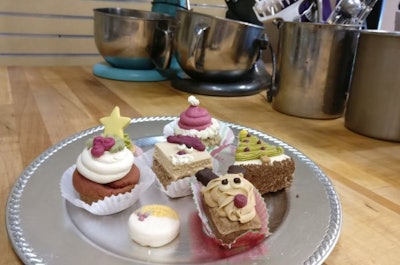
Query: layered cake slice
x=267 y=166
x=178 y=158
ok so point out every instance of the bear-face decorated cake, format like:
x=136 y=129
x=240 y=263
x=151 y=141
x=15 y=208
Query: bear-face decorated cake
x=268 y=168
x=232 y=210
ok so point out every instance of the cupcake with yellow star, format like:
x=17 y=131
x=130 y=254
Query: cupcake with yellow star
x=107 y=177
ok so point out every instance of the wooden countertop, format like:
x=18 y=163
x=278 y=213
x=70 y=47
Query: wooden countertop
x=40 y=106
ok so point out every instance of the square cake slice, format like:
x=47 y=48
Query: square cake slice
x=174 y=161
x=267 y=166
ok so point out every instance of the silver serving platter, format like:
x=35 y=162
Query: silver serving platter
x=305 y=219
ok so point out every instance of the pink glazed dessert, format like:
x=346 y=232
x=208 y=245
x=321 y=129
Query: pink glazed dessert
x=195 y=121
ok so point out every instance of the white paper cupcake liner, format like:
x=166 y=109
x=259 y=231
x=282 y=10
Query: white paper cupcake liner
x=114 y=203
x=226 y=134
x=249 y=238
x=177 y=189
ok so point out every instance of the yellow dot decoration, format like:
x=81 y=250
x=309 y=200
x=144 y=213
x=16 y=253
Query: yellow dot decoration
x=160 y=211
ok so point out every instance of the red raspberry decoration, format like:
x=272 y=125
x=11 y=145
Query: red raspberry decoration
x=142 y=216
x=97 y=150
x=97 y=140
x=100 y=145
x=108 y=142
x=246 y=149
x=240 y=201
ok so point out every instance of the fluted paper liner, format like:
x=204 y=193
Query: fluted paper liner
x=248 y=238
x=114 y=203
x=178 y=188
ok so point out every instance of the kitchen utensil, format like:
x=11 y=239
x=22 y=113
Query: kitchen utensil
x=373 y=107
x=314 y=65
x=210 y=48
x=352 y=12
x=288 y=10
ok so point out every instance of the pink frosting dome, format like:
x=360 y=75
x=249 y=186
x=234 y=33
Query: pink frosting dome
x=194 y=117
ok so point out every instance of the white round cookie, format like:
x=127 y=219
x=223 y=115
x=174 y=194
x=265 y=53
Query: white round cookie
x=154 y=225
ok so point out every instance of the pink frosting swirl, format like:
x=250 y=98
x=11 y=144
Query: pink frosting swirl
x=194 y=117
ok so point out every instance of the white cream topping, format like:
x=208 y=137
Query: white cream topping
x=181 y=159
x=107 y=168
x=193 y=101
x=203 y=134
x=259 y=162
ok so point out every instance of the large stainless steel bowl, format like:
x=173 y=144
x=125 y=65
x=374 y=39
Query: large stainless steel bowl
x=210 y=48
x=128 y=38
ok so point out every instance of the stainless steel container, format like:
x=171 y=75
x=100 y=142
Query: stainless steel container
x=210 y=48
x=314 y=66
x=132 y=39
x=373 y=107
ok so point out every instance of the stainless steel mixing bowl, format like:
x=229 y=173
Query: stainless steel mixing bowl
x=132 y=39
x=210 y=48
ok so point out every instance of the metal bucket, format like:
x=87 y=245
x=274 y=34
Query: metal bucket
x=314 y=67
x=373 y=107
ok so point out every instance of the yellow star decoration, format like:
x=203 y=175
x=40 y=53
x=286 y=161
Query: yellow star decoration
x=115 y=124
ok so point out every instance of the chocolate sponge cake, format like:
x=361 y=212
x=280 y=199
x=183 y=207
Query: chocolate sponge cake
x=267 y=166
x=91 y=191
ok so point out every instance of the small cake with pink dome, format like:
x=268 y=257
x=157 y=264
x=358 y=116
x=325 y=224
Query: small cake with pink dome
x=195 y=121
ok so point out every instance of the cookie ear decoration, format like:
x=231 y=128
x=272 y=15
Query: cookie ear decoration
x=235 y=169
x=205 y=175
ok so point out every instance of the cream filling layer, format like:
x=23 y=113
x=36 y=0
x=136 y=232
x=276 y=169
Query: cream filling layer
x=203 y=134
x=164 y=153
x=107 y=168
x=278 y=158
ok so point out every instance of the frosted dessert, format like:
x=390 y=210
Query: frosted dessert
x=154 y=225
x=195 y=121
x=267 y=166
x=105 y=167
x=177 y=160
x=232 y=208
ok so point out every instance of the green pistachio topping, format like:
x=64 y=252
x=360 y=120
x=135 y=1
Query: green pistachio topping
x=127 y=141
x=251 y=147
